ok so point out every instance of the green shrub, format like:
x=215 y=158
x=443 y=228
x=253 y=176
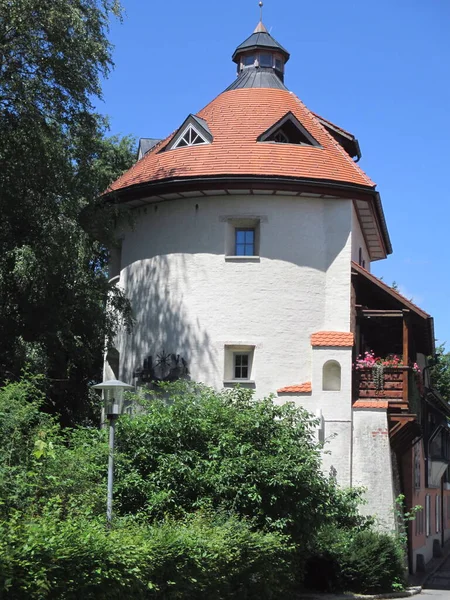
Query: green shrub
x=374 y=563
x=203 y=558
x=361 y=561
x=226 y=450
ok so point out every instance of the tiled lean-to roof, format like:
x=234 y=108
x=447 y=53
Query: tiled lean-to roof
x=378 y=404
x=332 y=339
x=236 y=119
x=302 y=388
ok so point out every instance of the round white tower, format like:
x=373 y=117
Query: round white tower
x=247 y=219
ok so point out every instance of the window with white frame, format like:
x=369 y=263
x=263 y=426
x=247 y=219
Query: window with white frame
x=428 y=515
x=190 y=137
x=239 y=362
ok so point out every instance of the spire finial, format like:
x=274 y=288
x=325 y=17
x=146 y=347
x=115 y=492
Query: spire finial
x=260 y=27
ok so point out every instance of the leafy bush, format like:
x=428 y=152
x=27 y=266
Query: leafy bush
x=39 y=461
x=362 y=561
x=226 y=450
x=191 y=451
x=205 y=558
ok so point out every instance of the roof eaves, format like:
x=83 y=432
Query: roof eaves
x=382 y=218
x=438 y=399
x=388 y=289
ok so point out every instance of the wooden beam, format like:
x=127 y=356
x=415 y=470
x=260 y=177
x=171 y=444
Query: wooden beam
x=368 y=312
x=405 y=355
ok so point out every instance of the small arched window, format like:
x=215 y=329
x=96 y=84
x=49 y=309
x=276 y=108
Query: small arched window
x=331 y=377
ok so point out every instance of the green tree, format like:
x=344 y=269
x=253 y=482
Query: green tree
x=217 y=496
x=225 y=450
x=55 y=160
x=440 y=372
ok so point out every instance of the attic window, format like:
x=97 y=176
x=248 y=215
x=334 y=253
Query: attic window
x=280 y=137
x=190 y=137
x=288 y=130
x=193 y=132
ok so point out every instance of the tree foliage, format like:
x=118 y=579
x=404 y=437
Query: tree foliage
x=55 y=161
x=217 y=495
x=440 y=372
x=226 y=450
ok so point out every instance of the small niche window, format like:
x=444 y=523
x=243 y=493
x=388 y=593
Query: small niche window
x=190 y=137
x=265 y=60
x=331 y=380
x=241 y=366
x=248 y=61
x=244 y=241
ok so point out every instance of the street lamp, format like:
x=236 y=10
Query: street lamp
x=113 y=396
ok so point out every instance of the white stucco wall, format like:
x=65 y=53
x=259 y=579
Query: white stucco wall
x=372 y=465
x=335 y=408
x=358 y=241
x=188 y=299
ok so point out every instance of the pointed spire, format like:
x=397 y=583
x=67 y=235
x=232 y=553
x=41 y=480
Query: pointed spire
x=261 y=28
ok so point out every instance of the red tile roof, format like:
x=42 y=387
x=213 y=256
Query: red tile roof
x=371 y=404
x=302 y=388
x=334 y=339
x=236 y=119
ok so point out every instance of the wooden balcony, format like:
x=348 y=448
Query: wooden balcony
x=399 y=387
x=394 y=386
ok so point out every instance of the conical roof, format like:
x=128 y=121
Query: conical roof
x=236 y=120
x=260 y=40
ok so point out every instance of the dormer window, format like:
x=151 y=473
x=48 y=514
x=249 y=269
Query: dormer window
x=190 y=137
x=248 y=61
x=280 y=137
x=193 y=132
x=288 y=130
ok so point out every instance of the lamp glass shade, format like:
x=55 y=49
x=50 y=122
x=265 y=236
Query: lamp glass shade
x=113 y=393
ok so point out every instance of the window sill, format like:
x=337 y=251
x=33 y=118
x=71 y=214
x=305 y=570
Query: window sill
x=243 y=259
x=239 y=382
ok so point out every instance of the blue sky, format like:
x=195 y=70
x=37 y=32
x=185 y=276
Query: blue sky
x=379 y=69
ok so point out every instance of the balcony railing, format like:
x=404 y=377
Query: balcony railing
x=398 y=385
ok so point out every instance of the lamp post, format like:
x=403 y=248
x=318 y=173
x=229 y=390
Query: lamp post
x=113 y=395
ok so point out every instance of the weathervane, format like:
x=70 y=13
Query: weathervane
x=261 y=4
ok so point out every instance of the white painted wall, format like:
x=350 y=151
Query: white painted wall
x=358 y=241
x=372 y=465
x=188 y=299
x=336 y=409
